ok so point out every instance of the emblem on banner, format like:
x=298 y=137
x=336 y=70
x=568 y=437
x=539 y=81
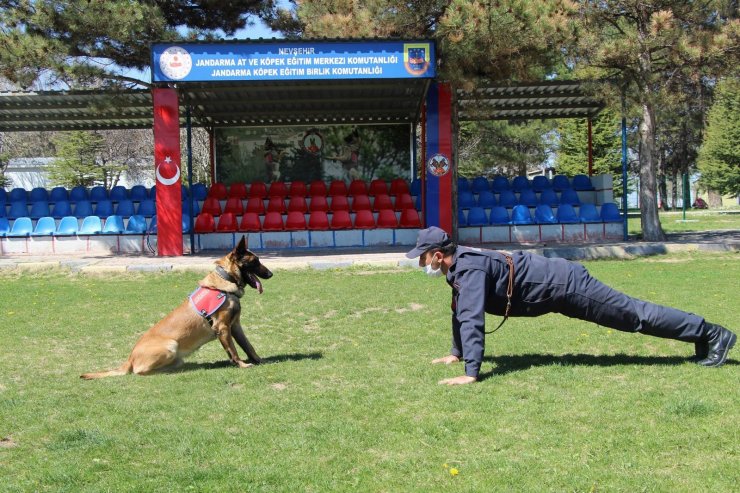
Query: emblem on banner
x=438 y=165
x=175 y=62
x=416 y=58
x=313 y=142
x=167 y=168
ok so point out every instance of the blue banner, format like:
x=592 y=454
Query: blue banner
x=287 y=60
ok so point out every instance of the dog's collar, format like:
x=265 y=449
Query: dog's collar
x=221 y=272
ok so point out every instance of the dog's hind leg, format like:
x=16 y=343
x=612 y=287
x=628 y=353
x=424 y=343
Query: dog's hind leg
x=153 y=356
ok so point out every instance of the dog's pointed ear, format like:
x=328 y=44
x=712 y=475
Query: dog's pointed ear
x=241 y=248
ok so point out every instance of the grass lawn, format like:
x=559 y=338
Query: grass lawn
x=696 y=220
x=347 y=399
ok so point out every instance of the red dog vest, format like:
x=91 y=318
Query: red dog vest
x=206 y=301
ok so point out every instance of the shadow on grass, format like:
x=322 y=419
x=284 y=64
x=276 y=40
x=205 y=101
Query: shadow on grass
x=519 y=362
x=277 y=358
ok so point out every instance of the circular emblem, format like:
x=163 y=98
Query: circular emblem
x=175 y=62
x=438 y=165
x=165 y=169
x=313 y=142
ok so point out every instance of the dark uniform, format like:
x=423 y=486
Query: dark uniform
x=479 y=279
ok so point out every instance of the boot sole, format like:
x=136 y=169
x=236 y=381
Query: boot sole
x=723 y=358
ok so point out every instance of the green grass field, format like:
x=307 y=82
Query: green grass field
x=696 y=220
x=347 y=399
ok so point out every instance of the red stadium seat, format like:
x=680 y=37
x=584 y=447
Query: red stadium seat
x=218 y=190
x=337 y=187
x=295 y=221
x=361 y=203
x=258 y=189
x=227 y=223
x=234 y=206
x=297 y=203
x=378 y=187
x=409 y=219
x=357 y=187
x=341 y=220
x=319 y=221
x=211 y=206
x=238 y=190
x=317 y=187
x=339 y=203
x=250 y=222
x=399 y=186
x=204 y=223
x=276 y=204
x=298 y=189
x=278 y=189
x=273 y=222
x=318 y=203
x=364 y=220
x=387 y=219
x=404 y=201
x=382 y=201
x=256 y=205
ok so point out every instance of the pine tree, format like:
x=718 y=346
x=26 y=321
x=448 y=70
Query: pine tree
x=719 y=156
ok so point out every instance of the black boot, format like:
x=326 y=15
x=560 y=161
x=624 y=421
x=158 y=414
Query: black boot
x=719 y=342
x=701 y=350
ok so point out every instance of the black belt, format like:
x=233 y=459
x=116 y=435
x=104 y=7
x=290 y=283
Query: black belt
x=509 y=291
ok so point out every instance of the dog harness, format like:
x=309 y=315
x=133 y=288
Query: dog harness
x=206 y=301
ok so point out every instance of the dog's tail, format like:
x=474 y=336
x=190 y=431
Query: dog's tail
x=124 y=369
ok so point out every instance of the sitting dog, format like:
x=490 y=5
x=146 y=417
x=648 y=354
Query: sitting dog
x=211 y=311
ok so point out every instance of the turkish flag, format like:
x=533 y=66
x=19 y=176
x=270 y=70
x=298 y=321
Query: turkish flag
x=167 y=171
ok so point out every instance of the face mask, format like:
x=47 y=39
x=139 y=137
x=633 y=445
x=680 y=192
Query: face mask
x=432 y=272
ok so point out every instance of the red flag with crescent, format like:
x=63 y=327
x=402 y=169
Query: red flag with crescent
x=167 y=171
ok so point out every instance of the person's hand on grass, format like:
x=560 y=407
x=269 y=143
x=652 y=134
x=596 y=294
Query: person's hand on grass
x=446 y=360
x=461 y=380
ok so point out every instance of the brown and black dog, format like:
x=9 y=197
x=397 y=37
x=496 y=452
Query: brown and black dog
x=186 y=329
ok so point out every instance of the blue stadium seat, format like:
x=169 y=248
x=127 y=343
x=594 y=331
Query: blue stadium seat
x=23 y=226
x=3 y=209
x=560 y=183
x=152 y=229
x=540 y=183
x=185 y=223
x=549 y=197
x=528 y=197
x=104 y=208
x=91 y=225
x=38 y=194
x=477 y=217
x=567 y=214
x=520 y=183
x=588 y=214
x=153 y=193
x=18 y=209
x=543 y=215
x=45 y=226
x=521 y=215
x=465 y=200
x=83 y=208
x=39 y=209
x=186 y=207
x=118 y=193
x=113 y=225
x=98 y=193
x=3 y=195
x=500 y=183
x=58 y=194
x=480 y=184
x=61 y=208
x=78 y=193
x=4 y=226
x=462 y=221
x=507 y=199
x=569 y=196
x=67 y=226
x=18 y=195
x=125 y=208
x=415 y=188
x=486 y=199
x=582 y=182
x=136 y=225
x=200 y=191
x=147 y=208
x=499 y=215
x=610 y=213
x=463 y=185
x=138 y=193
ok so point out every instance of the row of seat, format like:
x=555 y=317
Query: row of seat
x=137 y=193
x=90 y=225
x=302 y=189
x=298 y=221
x=80 y=209
x=518 y=183
x=543 y=214
x=509 y=199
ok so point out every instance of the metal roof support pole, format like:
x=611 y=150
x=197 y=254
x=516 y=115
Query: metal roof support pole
x=624 y=163
x=590 y=149
x=189 y=129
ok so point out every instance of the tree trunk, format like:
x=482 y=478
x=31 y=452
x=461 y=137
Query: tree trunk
x=714 y=199
x=662 y=186
x=651 y=229
x=674 y=187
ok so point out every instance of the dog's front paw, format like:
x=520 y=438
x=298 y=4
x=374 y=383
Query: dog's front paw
x=242 y=364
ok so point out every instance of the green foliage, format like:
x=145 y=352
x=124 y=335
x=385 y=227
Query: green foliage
x=719 y=157
x=80 y=161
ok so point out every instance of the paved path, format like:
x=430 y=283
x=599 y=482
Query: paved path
x=717 y=241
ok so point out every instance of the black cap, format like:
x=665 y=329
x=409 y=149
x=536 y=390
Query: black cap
x=429 y=238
